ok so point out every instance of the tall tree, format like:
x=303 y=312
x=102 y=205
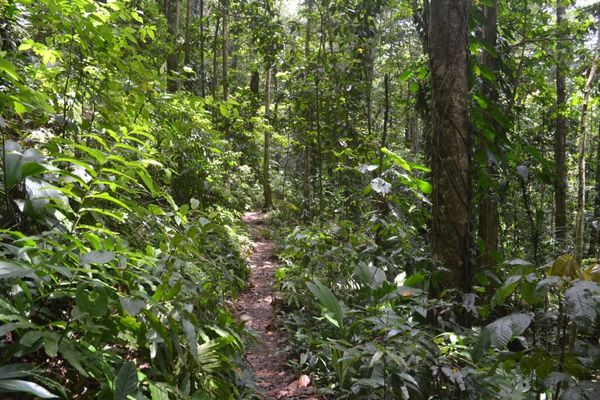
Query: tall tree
x=172 y=13
x=202 y=72
x=267 y=192
x=560 y=132
x=579 y=223
x=306 y=192
x=451 y=143
x=215 y=46
x=488 y=210
x=595 y=233
x=225 y=49
x=188 y=24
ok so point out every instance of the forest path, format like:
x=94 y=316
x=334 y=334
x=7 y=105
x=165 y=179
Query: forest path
x=267 y=356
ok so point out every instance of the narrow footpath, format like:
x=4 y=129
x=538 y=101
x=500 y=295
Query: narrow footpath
x=267 y=356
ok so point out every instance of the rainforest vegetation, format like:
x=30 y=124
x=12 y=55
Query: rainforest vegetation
x=428 y=171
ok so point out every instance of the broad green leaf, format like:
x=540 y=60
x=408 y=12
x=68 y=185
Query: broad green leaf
x=190 y=333
x=328 y=300
x=582 y=302
x=401 y=162
x=370 y=274
x=381 y=186
x=82 y=299
x=99 y=305
x=20 y=386
x=108 y=197
x=97 y=257
x=13 y=161
x=423 y=186
x=9 y=69
x=504 y=328
x=157 y=393
x=507 y=288
x=12 y=371
x=224 y=110
x=498 y=333
x=10 y=270
x=126 y=382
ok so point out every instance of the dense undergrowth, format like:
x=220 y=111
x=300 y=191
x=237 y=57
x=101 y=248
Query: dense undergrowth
x=372 y=330
x=119 y=253
x=122 y=183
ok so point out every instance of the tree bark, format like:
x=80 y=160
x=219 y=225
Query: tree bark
x=595 y=234
x=306 y=190
x=225 y=49
x=386 y=117
x=451 y=144
x=579 y=223
x=172 y=14
x=215 y=78
x=202 y=74
x=488 y=210
x=267 y=193
x=560 y=134
x=188 y=22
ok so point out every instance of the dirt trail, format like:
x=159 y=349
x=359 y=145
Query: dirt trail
x=267 y=357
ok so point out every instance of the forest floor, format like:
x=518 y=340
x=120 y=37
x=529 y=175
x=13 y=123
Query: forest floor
x=267 y=356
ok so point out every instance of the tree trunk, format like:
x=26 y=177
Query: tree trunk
x=172 y=11
x=215 y=78
x=560 y=134
x=488 y=211
x=579 y=223
x=202 y=74
x=451 y=144
x=225 y=49
x=307 y=153
x=188 y=22
x=267 y=193
x=595 y=234
x=386 y=117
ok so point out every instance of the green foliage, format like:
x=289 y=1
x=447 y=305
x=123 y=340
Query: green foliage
x=109 y=284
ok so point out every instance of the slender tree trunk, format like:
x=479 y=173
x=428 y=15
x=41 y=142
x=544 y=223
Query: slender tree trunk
x=306 y=192
x=215 y=78
x=560 y=134
x=322 y=39
x=386 y=117
x=172 y=11
x=202 y=74
x=188 y=22
x=488 y=211
x=579 y=223
x=451 y=144
x=595 y=234
x=267 y=193
x=225 y=49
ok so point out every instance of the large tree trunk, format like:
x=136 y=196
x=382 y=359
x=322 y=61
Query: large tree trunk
x=560 y=134
x=579 y=223
x=488 y=210
x=267 y=193
x=451 y=144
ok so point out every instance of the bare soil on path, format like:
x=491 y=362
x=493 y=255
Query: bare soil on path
x=267 y=357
